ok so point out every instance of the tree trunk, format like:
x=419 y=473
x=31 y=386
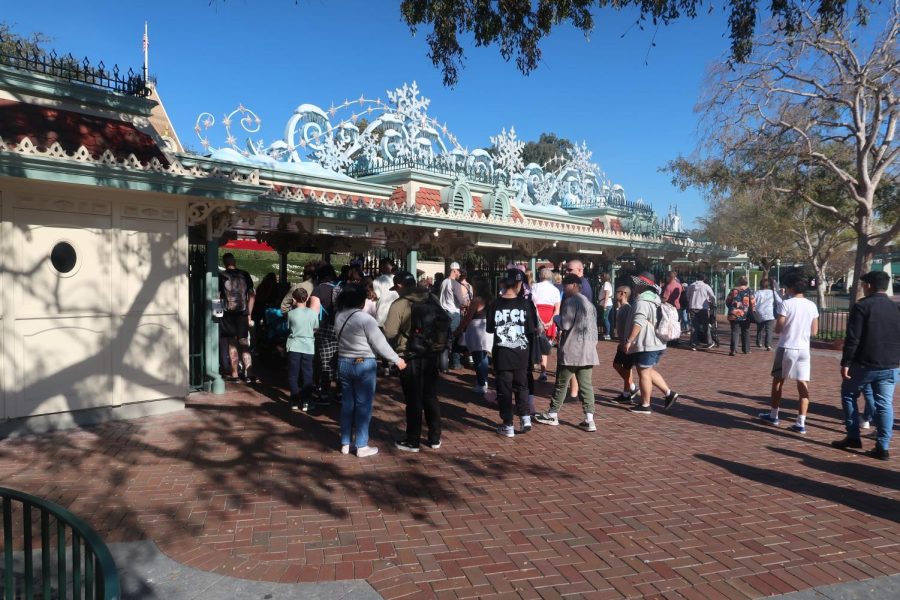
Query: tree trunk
x=821 y=288
x=863 y=262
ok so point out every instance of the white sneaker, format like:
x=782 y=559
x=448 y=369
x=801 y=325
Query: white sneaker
x=345 y=449
x=865 y=425
x=480 y=389
x=546 y=419
x=506 y=430
x=366 y=451
x=588 y=425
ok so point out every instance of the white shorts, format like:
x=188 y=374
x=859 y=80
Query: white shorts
x=791 y=363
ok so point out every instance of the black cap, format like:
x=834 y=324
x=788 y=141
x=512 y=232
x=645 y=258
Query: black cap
x=570 y=279
x=514 y=276
x=404 y=278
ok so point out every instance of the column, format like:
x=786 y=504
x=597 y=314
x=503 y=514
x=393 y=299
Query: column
x=532 y=266
x=214 y=382
x=411 y=262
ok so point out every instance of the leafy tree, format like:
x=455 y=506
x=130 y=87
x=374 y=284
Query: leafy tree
x=546 y=148
x=518 y=27
x=826 y=97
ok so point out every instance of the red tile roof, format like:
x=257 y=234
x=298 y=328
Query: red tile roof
x=398 y=197
x=45 y=125
x=428 y=198
x=615 y=225
x=477 y=208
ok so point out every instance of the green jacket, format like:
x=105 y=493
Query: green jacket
x=396 y=326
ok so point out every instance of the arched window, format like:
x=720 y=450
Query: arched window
x=496 y=204
x=457 y=197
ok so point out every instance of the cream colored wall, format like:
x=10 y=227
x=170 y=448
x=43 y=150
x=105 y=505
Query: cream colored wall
x=114 y=330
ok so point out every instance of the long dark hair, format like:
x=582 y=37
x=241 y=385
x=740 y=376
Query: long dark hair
x=352 y=296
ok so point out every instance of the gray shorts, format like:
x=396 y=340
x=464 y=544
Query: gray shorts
x=791 y=363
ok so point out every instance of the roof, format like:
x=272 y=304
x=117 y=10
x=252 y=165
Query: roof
x=45 y=126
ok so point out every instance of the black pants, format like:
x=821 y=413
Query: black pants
x=419 y=380
x=744 y=328
x=699 y=326
x=512 y=385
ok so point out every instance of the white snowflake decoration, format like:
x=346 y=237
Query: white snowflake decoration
x=508 y=152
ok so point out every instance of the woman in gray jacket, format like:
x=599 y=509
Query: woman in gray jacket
x=645 y=348
x=359 y=339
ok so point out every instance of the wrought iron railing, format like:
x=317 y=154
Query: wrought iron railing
x=832 y=324
x=437 y=164
x=89 y=572
x=15 y=53
x=610 y=202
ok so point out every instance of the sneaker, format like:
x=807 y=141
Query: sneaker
x=693 y=348
x=305 y=407
x=768 y=348
x=846 y=443
x=480 y=389
x=295 y=407
x=366 y=451
x=506 y=430
x=865 y=425
x=345 y=449
x=588 y=425
x=798 y=428
x=606 y=338
x=405 y=446
x=879 y=453
x=623 y=398
x=641 y=409
x=546 y=419
x=543 y=377
x=434 y=445
x=767 y=418
x=671 y=398
x=525 y=428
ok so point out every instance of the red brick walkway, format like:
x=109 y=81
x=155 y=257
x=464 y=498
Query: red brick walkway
x=701 y=503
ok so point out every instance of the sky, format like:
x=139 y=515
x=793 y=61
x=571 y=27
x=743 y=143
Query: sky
x=630 y=101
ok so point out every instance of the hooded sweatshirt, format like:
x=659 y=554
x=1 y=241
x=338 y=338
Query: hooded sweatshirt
x=397 y=323
x=645 y=315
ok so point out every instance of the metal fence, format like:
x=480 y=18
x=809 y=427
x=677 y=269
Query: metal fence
x=88 y=571
x=832 y=324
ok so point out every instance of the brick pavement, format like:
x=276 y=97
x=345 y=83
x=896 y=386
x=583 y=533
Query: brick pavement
x=703 y=502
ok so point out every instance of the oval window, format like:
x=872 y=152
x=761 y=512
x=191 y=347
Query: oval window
x=63 y=257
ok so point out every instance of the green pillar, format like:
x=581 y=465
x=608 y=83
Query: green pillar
x=411 y=262
x=532 y=266
x=214 y=382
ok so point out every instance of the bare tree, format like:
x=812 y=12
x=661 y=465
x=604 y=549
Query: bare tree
x=820 y=238
x=799 y=97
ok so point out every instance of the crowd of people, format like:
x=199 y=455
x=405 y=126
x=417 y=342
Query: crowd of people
x=343 y=331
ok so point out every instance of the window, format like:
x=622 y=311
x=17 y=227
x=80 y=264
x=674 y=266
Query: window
x=63 y=257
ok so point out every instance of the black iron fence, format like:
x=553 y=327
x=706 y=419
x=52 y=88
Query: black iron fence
x=29 y=57
x=832 y=324
x=84 y=567
x=441 y=164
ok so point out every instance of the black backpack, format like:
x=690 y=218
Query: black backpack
x=429 y=328
x=236 y=289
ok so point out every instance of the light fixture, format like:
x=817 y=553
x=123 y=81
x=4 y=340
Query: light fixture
x=555 y=243
x=437 y=232
x=490 y=244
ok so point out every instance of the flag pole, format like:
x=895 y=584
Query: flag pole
x=146 y=55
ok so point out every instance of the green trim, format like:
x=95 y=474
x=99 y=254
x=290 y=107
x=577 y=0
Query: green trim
x=40 y=168
x=18 y=82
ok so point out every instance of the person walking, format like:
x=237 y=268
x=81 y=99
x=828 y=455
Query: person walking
x=871 y=359
x=605 y=303
x=643 y=345
x=767 y=303
x=511 y=319
x=547 y=301
x=359 y=339
x=671 y=294
x=238 y=298
x=473 y=329
x=303 y=322
x=450 y=301
x=701 y=302
x=740 y=303
x=797 y=321
x=577 y=353
x=413 y=328
x=623 y=363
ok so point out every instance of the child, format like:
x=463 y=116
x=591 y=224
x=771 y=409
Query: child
x=511 y=319
x=622 y=363
x=303 y=322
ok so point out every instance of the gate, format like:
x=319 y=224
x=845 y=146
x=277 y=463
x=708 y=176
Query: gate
x=197 y=314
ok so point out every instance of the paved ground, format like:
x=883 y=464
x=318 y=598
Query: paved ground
x=703 y=502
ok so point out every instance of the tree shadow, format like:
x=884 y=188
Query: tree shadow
x=864 y=502
x=851 y=470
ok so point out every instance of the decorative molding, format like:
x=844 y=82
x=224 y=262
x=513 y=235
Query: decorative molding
x=143 y=211
x=41 y=203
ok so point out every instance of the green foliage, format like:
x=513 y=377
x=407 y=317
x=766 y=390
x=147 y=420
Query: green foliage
x=518 y=27
x=259 y=263
x=548 y=146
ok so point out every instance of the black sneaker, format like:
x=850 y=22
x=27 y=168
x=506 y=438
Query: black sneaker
x=641 y=409
x=434 y=445
x=405 y=446
x=671 y=398
x=879 y=453
x=623 y=398
x=847 y=443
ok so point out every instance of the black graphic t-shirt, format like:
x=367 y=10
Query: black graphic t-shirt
x=512 y=323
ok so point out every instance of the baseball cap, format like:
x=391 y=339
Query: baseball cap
x=404 y=278
x=514 y=276
x=454 y=265
x=571 y=278
x=646 y=279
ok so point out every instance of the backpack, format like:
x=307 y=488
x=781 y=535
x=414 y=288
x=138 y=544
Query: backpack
x=235 y=291
x=429 y=328
x=668 y=325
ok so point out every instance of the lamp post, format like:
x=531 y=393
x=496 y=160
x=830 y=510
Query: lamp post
x=778 y=271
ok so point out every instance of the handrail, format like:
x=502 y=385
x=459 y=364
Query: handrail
x=96 y=554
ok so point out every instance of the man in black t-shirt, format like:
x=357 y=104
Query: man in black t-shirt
x=238 y=297
x=511 y=319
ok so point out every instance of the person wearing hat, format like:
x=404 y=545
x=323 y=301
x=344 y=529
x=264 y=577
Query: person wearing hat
x=645 y=348
x=419 y=379
x=577 y=353
x=449 y=298
x=511 y=319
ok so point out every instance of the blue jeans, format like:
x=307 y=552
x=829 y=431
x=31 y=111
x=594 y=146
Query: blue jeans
x=605 y=314
x=869 y=413
x=357 y=377
x=481 y=366
x=300 y=364
x=454 y=358
x=882 y=383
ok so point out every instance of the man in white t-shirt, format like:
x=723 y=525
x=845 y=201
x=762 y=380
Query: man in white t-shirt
x=605 y=303
x=450 y=303
x=797 y=322
x=383 y=284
